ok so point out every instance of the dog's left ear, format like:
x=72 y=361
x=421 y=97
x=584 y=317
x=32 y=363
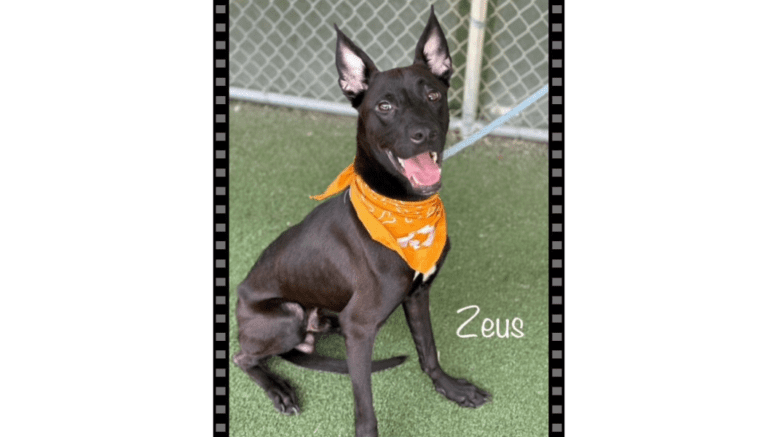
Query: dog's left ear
x=432 y=51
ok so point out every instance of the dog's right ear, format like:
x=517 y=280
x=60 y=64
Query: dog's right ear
x=354 y=68
x=432 y=50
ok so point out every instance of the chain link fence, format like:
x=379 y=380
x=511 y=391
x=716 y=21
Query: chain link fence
x=283 y=52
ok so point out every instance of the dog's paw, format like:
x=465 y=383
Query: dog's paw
x=461 y=392
x=283 y=397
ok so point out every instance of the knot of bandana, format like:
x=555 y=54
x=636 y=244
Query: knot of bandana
x=417 y=231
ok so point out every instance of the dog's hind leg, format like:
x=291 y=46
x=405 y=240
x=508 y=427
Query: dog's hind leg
x=270 y=328
x=280 y=392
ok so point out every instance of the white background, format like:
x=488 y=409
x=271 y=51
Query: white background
x=106 y=319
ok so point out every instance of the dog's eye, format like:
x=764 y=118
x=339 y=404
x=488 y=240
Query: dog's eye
x=384 y=106
x=433 y=96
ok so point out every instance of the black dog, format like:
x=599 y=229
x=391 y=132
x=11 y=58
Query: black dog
x=330 y=261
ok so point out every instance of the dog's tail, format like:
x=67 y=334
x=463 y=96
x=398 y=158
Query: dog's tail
x=327 y=364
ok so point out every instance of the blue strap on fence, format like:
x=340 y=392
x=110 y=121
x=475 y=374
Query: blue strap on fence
x=495 y=124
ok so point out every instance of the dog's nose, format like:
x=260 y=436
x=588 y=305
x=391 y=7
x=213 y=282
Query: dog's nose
x=421 y=134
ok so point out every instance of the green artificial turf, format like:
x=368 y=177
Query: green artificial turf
x=495 y=196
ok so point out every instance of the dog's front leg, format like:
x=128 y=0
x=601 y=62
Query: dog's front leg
x=359 y=341
x=460 y=391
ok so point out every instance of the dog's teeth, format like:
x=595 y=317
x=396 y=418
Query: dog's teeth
x=434 y=156
x=401 y=162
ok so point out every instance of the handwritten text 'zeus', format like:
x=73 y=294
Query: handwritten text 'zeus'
x=489 y=328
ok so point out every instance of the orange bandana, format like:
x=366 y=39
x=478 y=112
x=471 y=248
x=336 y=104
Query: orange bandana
x=415 y=230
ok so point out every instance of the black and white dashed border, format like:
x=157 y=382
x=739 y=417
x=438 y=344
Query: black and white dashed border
x=556 y=219
x=220 y=219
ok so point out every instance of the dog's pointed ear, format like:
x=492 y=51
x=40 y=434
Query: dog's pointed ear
x=354 y=68
x=432 y=51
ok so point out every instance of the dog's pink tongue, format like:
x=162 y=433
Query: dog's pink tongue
x=421 y=169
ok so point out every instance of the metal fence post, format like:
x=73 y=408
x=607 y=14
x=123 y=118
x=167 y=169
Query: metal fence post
x=477 y=30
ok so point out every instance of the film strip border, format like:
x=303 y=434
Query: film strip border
x=556 y=220
x=221 y=208
x=220 y=219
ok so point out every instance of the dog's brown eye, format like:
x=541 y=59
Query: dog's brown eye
x=434 y=96
x=384 y=106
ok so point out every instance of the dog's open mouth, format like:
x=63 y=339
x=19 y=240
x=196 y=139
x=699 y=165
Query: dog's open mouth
x=422 y=170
